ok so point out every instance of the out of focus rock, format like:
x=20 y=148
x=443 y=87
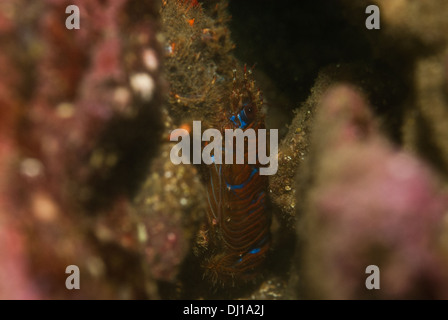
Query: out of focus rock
x=413 y=42
x=367 y=203
x=198 y=60
x=77 y=131
x=170 y=206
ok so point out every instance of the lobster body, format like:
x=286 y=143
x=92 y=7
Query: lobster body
x=238 y=224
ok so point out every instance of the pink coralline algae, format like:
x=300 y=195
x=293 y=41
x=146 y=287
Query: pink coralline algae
x=369 y=204
x=86 y=177
x=75 y=137
x=15 y=282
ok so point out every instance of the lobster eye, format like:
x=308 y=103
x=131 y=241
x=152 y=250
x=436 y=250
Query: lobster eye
x=249 y=112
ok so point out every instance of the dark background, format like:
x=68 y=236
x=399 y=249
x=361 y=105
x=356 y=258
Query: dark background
x=290 y=42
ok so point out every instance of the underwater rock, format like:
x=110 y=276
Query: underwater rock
x=293 y=150
x=425 y=129
x=198 y=62
x=367 y=203
x=85 y=174
x=81 y=121
x=425 y=20
x=414 y=35
x=170 y=207
x=15 y=282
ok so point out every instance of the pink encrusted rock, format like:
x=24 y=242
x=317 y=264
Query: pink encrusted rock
x=369 y=204
x=15 y=282
x=76 y=140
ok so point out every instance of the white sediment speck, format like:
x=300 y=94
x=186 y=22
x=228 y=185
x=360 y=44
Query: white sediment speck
x=31 y=167
x=122 y=96
x=171 y=236
x=143 y=85
x=65 y=110
x=95 y=266
x=141 y=233
x=150 y=59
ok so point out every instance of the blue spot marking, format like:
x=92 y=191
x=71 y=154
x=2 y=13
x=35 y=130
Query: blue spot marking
x=243 y=123
x=240 y=186
x=254 y=251
x=232 y=118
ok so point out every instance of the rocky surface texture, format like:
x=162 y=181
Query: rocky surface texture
x=85 y=171
x=77 y=106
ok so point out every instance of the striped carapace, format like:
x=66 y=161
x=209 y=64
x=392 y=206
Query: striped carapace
x=237 y=232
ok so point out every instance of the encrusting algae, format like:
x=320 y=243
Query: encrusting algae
x=86 y=177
